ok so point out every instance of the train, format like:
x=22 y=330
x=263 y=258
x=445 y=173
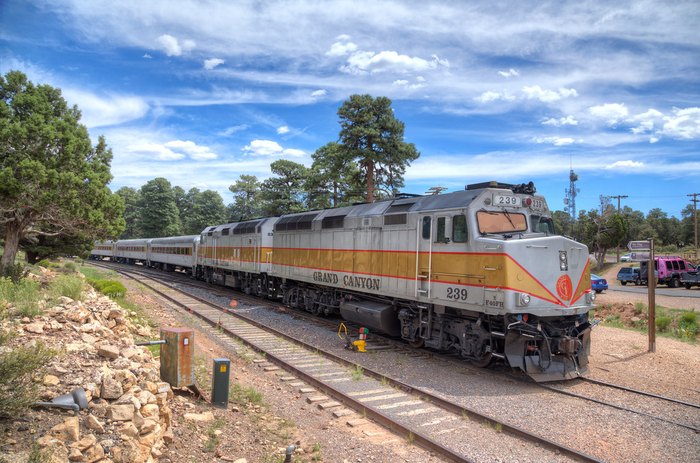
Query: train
x=479 y=272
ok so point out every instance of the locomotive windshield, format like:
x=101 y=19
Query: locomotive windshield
x=500 y=222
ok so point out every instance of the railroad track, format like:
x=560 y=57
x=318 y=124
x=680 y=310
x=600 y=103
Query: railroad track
x=420 y=416
x=661 y=408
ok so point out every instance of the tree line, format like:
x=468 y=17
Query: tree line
x=606 y=229
x=55 y=199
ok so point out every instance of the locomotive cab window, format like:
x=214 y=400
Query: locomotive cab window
x=459 y=229
x=500 y=222
x=426 y=228
x=542 y=224
x=442 y=232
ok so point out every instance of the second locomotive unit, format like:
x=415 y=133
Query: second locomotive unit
x=478 y=272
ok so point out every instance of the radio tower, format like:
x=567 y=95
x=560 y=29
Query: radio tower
x=571 y=192
x=570 y=199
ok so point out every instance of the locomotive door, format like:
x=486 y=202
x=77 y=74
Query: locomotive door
x=424 y=255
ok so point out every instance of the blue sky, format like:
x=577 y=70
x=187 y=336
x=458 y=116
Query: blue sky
x=201 y=92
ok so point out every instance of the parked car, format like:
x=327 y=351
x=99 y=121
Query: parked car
x=598 y=284
x=690 y=279
x=626 y=258
x=629 y=275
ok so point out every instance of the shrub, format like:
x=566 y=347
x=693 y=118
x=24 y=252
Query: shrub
x=70 y=266
x=15 y=272
x=66 y=285
x=46 y=263
x=109 y=288
x=639 y=308
x=17 y=366
x=688 y=325
x=663 y=322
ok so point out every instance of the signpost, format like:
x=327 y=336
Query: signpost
x=644 y=250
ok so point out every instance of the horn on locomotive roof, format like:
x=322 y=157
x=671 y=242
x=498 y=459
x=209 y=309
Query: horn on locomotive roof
x=523 y=188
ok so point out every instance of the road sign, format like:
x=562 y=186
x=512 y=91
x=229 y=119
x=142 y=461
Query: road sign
x=638 y=256
x=639 y=246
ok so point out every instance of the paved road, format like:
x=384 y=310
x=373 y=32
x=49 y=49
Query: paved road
x=660 y=290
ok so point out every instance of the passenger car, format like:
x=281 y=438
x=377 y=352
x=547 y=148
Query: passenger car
x=629 y=275
x=598 y=284
x=626 y=258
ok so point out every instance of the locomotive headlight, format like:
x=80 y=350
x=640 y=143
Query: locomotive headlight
x=563 y=261
x=523 y=300
x=590 y=297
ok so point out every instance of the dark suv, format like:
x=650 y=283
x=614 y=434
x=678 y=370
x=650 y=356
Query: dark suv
x=629 y=275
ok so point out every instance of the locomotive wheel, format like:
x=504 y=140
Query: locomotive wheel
x=417 y=343
x=483 y=362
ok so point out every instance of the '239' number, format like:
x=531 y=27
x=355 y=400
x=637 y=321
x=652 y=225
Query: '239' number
x=457 y=294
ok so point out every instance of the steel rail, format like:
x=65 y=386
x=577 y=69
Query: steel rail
x=637 y=391
x=618 y=407
x=419 y=393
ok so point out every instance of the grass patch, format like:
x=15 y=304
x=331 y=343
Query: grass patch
x=24 y=296
x=673 y=323
x=245 y=395
x=66 y=285
x=213 y=437
x=357 y=373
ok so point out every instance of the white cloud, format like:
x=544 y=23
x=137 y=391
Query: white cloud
x=172 y=47
x=155 y=150
x=270 y=148
x=612 y=113
x=369 y=62
x=509 y=73
x=341 y=48
x=556 y=141
x=559 y=122
x=282 y=130
x=625 y=165
x=684 y=124
x=548 y=96
x=646 y=121
x=98 y=111
x=190 y=148
x=490 y=96
x=147 y=56
x=319 y=93
x=403 y=83
x=210 y=64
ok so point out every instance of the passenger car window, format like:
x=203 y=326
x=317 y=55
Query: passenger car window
x=426 y=228
x=459 y=228
x=668 y=265
x=675 y=265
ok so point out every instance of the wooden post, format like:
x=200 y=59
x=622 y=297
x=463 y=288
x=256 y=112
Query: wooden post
x=651 y=279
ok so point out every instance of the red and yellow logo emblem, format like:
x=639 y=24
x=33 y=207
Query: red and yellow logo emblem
x=564 y=287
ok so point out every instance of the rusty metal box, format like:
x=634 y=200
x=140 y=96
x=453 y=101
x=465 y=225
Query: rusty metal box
x=177 y=356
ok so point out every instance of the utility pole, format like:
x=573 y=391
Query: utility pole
x=695 y=209
x=619 y=197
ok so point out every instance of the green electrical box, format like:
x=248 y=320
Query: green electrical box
x=219 y=383
x=177 y=356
